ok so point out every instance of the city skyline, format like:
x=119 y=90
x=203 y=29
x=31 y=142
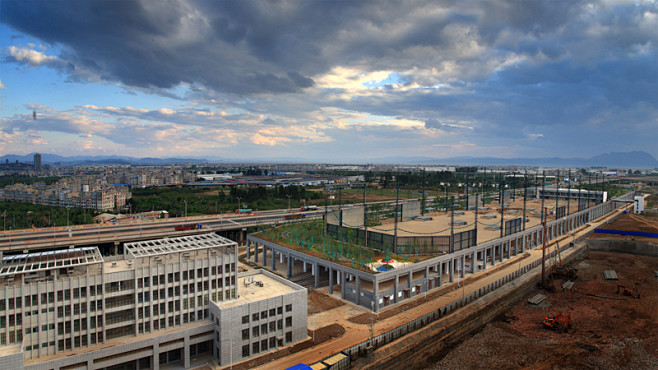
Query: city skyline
x=329 y=81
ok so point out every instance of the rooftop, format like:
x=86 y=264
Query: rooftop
x=250 y=289
x=189 y=243
x=43 y=261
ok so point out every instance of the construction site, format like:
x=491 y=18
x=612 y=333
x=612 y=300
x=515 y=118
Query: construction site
x=578 y=311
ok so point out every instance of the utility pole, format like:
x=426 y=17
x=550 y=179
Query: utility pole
x=525 y=194
x=543 y=251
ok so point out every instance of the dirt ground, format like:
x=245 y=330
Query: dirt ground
x=318 y=302
x=647 y=222
x=606 y=333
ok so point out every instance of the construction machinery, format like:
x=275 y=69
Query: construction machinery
x=627 y=292
x=561 y=271
x=560 y=322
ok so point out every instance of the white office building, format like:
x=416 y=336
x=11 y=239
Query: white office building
x=76 y=309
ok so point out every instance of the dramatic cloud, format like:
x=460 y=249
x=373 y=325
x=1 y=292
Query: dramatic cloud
x=427 y=78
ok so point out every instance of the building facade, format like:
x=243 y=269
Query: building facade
x=76 y=309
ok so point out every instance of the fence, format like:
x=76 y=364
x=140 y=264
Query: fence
x=405 y=244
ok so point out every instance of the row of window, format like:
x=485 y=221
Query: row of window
x=263 y=314
x=62 y=295
x=263 y=329
x=265 y=344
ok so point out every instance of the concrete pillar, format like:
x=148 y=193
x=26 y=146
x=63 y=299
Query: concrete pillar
x=396 y=281
x=502 y=246
x=264 y=255
x=411 y=276
x=256 y=252
x=375 y=294
x=342 y=285
x=316 y=272
x=273 y=259
x=451 y=265
x=440 y=269
x=155 y=360
x=473 y=261
x=186 y=352
x=358 y=290
x=304 y=262
x=331 y=280
x=280 y=257
x=289 y=265
x=493 y=256
x=248 y=248
x=463 y=272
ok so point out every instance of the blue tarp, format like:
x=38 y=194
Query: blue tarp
x=382 y=268
x=631 y=233
x=299 y=367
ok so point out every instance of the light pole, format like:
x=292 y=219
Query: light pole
x=314 y=328
x=238 y=198
x=289 y=201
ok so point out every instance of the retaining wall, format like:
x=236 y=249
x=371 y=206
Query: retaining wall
x=623 y=246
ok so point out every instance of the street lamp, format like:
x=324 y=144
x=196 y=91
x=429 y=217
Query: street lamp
x=315 y=314
x=238 y=198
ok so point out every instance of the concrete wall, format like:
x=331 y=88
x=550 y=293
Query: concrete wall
x=353 y=216
x=410 y=210
x=624 y=246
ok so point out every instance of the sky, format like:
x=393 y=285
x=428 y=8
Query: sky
x=329 y=81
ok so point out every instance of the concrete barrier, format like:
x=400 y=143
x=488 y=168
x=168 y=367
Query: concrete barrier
x=623 y=246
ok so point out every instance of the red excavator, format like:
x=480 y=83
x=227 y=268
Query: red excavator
x=559 y=322
x=627 y=292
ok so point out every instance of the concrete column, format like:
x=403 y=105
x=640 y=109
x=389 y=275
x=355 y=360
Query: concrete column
x=484 y=258
x=342 y=285
x=331 y=280
x=396 y=281
x=186 y=352
x=493 y=256
x=358 y=290
x=451 y=264
x=289 y=265
x=440 y=266
x=273 y=259
x=473 y=261
x=248 y=248
x=463 y=266
x=411 y=275
x=280 y=257
x=155 y=360
x=502 y=246
x=316 y=272
x=375 y=292
x=256 y=252
x=304 y=265
x=264 y=255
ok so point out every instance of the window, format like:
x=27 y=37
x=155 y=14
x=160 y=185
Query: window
x=272 y=342
x=263 y=329
x=254 y=331
x=263 y=314
x=245 y=334
x=245 y=319
x=272 y=312
x=279 y=324
x=272 y=326
x=245 y=350
x=254 y=317
x=289 y=337
x=255 y=348
x=288 y=307
x=279 y=310
x=288 y=322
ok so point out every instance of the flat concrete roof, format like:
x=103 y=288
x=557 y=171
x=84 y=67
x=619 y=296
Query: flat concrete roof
x=251 y=292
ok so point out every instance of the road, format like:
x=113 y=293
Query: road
x=79 y=235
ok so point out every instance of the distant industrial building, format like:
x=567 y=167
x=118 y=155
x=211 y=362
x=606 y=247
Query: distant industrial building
x=163 y=301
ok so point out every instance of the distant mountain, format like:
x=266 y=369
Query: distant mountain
x=98 y=160
x=636 y=159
